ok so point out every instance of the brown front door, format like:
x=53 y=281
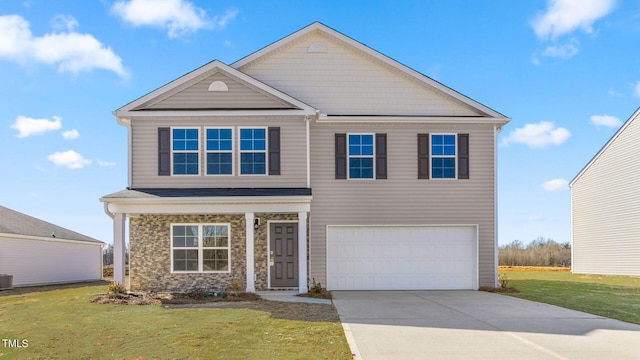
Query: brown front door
x=283 y=254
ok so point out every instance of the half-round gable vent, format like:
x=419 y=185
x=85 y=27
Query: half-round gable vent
x=317 y=48
x=218 y=86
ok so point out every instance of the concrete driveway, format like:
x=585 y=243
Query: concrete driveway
x=476 y=325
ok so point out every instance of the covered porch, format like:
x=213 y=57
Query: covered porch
x=257 y=217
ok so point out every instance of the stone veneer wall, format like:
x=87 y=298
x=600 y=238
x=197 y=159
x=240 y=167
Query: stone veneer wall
x=150 y=253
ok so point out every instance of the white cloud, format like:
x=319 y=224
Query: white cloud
x=614 y=93
x=70 y=159
x=29 y=126
x=555 y=185
x=179 y=17
x=222 y=21
x=605 y=120
x=538 y=135
x=70 y=134
x=565 y=16
x=64 y=23
x=71 y=51
x=565 y=51
x=636 y=89
x=106 y=163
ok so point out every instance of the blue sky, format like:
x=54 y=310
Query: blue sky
x=566 y=71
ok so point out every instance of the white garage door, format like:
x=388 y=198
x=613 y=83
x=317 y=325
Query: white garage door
x=402 y=257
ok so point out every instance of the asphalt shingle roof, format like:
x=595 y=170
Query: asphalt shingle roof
x=13 y=222
x=209 y=192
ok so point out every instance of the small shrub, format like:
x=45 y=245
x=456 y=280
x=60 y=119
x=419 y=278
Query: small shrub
x=116 y=289
x=236 y=286
x=317 y=291
x=503 y=281
x=316 y=288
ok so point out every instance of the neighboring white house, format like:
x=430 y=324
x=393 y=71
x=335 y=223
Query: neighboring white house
x=605 y=207
x=36 y=252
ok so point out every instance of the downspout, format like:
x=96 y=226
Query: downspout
x=106 y=211
x=307 y=120
x=126 y=122
x=496 y=131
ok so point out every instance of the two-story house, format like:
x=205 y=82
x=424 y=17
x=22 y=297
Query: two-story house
x=315 y=157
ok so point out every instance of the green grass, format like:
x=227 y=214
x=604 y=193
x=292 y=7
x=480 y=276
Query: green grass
x=64 y=324
x=616 y=297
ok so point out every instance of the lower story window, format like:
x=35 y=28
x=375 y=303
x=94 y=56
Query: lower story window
x=200 y=248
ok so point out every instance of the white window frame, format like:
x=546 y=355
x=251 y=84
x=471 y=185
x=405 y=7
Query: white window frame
x=232 y=152
x=266 y=150
x=201 y=248
x=198 y=152
x=361 y=156
x=431 y=156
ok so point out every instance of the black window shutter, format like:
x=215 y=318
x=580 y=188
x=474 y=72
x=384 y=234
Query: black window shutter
x=164 y=152
x=274 y=151
x=463 y=156
x=341 y=156
x=423 y=156
x=381 y=156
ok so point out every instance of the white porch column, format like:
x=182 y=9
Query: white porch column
x=251 y=288
x=119 y=249
x=302 y=253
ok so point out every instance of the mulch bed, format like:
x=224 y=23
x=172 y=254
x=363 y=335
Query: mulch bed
x=277 y=309
x=499 y=289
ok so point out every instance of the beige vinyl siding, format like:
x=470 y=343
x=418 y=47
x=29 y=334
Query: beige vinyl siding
x=402 y=198
x=34 y=262
x=197 y=96
x=292 y=154
x=606 y=209
x=345 y=81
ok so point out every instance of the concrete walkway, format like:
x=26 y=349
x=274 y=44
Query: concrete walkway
x=290 y=296
x=476 y=325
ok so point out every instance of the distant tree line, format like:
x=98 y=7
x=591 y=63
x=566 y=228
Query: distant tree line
x=107 y=255
x=539 y=252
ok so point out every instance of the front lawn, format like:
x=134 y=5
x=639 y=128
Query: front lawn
x=616 y=297
x=64 y=324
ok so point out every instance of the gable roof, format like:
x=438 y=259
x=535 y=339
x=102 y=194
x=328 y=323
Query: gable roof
x=17 y=223
x=274 y=100
x=357 y=46
x=635 y=116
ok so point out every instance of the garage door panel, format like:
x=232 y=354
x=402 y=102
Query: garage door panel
x=401 y=257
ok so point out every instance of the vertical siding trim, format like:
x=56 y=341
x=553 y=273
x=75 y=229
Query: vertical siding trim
x=463 y=156
x=423 y=156
x=274 y=150
x=341 y=156
x=164 y=151
x=381 y=156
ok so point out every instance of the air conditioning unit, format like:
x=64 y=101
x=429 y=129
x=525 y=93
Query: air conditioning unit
x=6 y=281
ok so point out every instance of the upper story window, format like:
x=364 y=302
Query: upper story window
x=361 y=156
x=443 y=156
x=253 y=151
x=219 y=147
x=200 y=248
x=185 y=151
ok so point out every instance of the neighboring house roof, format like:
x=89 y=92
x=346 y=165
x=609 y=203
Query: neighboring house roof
x=317 y=26
x=635 y=116
x=151 y=103
x=208 y=192
x=16 y=223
